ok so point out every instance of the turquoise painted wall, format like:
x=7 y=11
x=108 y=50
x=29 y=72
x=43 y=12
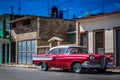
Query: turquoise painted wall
x=1 y=33
x=0 y=54
x=0 y=58
x=7 y=29
x=2 y=18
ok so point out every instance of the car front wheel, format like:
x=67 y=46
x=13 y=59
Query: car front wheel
x=44 y=67
x=77 y=68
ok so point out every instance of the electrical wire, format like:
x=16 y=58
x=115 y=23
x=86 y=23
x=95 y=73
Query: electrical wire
x=60 y=4
x=89 y=10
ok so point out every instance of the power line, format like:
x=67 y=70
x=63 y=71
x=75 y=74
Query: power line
x=3 y=9
x=48 y=8
x=102 y=6
x=89 y=9
x=45 y=10
x=60 y=4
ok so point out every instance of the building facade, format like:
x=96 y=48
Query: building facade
x=4 y=39
x=30 y=35
x=6 y=52
x=100 y=34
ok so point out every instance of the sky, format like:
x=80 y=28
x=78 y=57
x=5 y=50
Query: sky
x=79 y=8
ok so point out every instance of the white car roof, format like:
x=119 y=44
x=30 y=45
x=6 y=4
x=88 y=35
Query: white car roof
x=65 y=46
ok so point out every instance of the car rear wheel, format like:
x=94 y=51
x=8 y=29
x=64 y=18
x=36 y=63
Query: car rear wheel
x=77 y=68
x=44 y=67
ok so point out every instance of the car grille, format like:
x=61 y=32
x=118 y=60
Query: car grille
x=94 y=62
x=101 y=62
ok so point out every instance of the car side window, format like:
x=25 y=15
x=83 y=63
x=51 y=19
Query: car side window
x=77 y=50
x=62 y=50
x=54 y=51
x=73 y=51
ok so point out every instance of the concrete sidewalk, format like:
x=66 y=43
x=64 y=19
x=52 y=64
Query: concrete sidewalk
x=115 y=69
x=20 y=65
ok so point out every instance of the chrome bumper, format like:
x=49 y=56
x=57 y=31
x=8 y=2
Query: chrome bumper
x=87 y=64
x=109 y=64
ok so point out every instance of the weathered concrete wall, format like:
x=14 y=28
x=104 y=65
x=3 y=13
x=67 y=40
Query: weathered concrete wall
x=43 y=29
x=51 y=27
x=24 y=32
x=26 y=36
x=26 y=28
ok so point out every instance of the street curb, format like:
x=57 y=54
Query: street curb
x=38 y=67
x=21 y=66
x=114 y=70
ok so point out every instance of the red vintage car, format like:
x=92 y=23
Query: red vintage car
x=74 y=58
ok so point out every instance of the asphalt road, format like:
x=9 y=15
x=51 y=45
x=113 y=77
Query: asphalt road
x=16 y=73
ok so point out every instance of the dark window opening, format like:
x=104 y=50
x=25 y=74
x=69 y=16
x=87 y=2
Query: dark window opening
x=83 y=39
x=71 y=28
x=4 y=27
x=13 y=25
x=26 y=22
x=99 y=42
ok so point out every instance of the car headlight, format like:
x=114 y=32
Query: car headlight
x=92 y=57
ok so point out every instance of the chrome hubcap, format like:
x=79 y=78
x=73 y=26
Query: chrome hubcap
x=77 y=67
x=43 y=66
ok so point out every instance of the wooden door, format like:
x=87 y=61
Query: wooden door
x=99 y=42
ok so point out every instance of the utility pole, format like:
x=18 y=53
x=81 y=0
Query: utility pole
x=12 y=12
x=19 y=7
x=103 y=7
x=67 y=14
x=48 y=8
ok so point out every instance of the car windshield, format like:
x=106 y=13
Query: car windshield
x=77 y=50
